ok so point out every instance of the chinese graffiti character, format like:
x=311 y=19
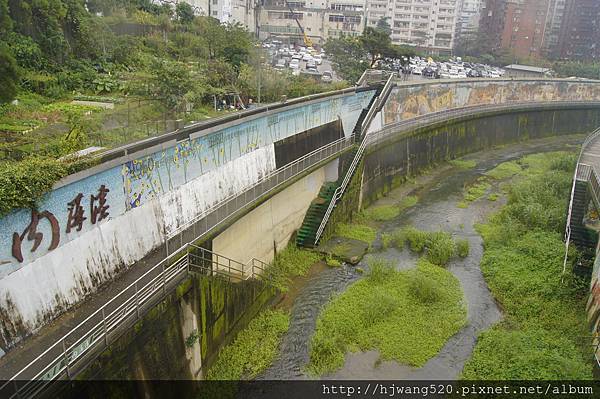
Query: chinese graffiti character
x=100 y=211
x=34 y=235
x=75 y=217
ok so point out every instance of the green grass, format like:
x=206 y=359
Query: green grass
x=463 y=164
x=406 y=315
x=462 y=248
x=439 y=246
x=290 y=262
x=493 y=197
x=332 y=262
x=407 y=202
x=253 y=350
x=505 y=170
x=356 y=231
x=381 y=213
x=476 y=191
x=534 y=164
x=544 y=318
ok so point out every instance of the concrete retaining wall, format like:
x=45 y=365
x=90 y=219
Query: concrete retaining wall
x=387 y=164
x=180 y=338
x=98 y=223
x=268 y=228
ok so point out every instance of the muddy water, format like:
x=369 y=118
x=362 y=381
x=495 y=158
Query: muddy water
x=438 y=195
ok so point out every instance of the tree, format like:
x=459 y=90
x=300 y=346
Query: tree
x=378 y=44
x=348 y=57
x=6 y=23
x=184 y=12
x=384 y=26
x=8 y=75
x=172 y=81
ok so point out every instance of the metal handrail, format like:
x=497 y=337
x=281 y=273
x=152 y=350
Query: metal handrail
x=339 y=191
x=66 y=354
x=589 y=170
x=160 y=276
x=455 y=113
x=324 y=152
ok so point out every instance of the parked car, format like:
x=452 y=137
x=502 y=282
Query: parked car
x=327 y=77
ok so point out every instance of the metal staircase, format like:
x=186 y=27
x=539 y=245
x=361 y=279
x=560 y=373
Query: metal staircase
x=320 y=210
x=580 y=235
x=584 y=178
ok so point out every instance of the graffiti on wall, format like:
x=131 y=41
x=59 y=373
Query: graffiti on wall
x=68 y=212
x=407 y=102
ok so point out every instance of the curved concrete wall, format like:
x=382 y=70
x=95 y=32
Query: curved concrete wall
x=97 y=223
x=409 y=100
x=400 y=155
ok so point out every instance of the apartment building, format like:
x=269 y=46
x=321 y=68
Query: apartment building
x=579 y=37
x=228 y=11
x=528 y=28
x=427 y=24
x=468 y=17
x=320 y=19
x=554 y=20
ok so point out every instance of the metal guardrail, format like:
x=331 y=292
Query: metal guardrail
x=394 y=129
x=227 y=208
x=339 y=191
x=583 y=172
x=88 y=339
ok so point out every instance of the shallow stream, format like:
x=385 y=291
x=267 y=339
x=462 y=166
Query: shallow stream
x=438 y=193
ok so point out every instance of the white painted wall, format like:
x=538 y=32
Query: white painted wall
x=51 y=284
x=269 y=227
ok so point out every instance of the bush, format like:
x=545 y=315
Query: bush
x=383 y=315
x=544 y=312
x=23 y=184
x=386 y=240
x=440 y=247
x=416 y=238
x=379 y=269
x=423 y=288
x=462 y=248
x=253 y=350
x=290 y=262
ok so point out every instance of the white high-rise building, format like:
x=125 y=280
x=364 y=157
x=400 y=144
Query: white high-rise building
x=468 y=17
x=228 y=11
x=320 y=19
x=428 y=24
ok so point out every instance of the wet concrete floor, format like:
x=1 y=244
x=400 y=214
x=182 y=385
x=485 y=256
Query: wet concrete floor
x=438 y=193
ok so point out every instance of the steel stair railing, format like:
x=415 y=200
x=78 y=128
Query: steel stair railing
x=98 y=331
x=583 y=172
x=375 y=107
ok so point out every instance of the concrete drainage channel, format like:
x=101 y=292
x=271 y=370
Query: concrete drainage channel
x=436 y=210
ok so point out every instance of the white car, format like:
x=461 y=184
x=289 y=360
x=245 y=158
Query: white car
x=318 y=60
x=307 y=57
x=297 y=56
x=295 y=64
